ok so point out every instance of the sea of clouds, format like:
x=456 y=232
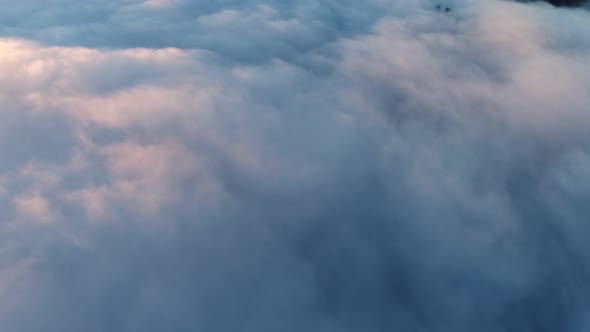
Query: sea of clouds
x=311 y=165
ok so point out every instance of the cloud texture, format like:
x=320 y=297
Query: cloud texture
x=185 y=165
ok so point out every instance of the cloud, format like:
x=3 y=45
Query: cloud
x=277 y=166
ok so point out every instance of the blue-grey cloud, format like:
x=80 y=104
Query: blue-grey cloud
x=285 y=166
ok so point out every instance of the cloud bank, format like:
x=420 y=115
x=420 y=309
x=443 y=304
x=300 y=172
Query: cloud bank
x=294 y=166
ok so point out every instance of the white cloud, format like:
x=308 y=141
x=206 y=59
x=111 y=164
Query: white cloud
x=278 y=166
x=34 y=207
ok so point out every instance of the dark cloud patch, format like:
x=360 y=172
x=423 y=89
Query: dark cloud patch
x=568 y=3
x=250 y=32
x=33 y=137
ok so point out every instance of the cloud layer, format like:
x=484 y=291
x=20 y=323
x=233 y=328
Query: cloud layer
x=294 y=166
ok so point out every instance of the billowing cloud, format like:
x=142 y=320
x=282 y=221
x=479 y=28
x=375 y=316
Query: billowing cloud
x=279 y=166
